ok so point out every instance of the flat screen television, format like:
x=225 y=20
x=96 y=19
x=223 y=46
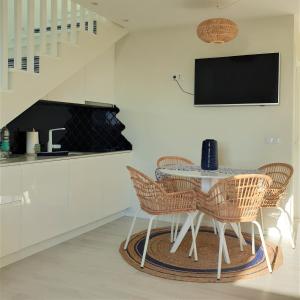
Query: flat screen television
x=237 y=80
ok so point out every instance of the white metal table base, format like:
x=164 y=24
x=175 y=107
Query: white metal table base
x=183 y=231
x=186 y=226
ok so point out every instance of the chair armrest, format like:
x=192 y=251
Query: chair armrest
x=181 y=201
x=179 y=184
x=202 y=199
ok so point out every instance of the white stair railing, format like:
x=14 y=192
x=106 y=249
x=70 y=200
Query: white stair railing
x=18 y=35
x=43 y=25
x=82 y=18
x=4 y=44
x=64 y=19
x=73 y=21
x=32 y=35
x=53 y=27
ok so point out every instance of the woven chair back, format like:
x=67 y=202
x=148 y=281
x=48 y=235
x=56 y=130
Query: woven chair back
x=166 y=161
x=281 y=174
x=238 y=198
x=149 y=193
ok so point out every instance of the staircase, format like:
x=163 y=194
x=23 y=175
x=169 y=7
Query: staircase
x=43 y=43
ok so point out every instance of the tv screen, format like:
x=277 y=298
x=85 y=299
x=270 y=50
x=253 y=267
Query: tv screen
x=237 y=80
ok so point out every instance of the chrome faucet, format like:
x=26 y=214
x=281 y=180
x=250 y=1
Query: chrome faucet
x=50 y=145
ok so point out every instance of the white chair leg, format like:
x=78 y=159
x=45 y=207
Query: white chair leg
x=263 y=245
x=240 y=237
x=280 y=235
x=237 y=233
x=177 y=226
x=147 y=240
x=221 y=239
x=262 y=219
x=184 y=229
x=172 y=229
x=214 y=225
x=200 y=218
x=193 y=238
x=252 y=239
x=225 y=249
x=131 y=228
x=291 y=231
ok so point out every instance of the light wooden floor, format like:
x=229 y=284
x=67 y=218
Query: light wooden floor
x=89 y=267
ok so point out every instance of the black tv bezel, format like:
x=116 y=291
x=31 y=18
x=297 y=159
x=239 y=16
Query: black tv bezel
x=240 y=104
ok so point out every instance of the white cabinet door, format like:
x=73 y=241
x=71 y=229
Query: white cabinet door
x=10 y=209
x=116 y=183
x=85 y=191
x=98 y=188
x=45 y=208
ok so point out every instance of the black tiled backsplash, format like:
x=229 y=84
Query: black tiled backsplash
x=88 y=128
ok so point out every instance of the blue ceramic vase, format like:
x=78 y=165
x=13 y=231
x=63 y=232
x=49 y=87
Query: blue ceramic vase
x=209 y=160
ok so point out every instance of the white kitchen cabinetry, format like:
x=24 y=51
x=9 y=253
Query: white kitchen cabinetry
x=97 y=188
x=47 y=199
x=10 y=210
x=45 y=208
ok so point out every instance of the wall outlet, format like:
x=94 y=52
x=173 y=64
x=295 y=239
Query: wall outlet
x=272 y=140
x=177 y=77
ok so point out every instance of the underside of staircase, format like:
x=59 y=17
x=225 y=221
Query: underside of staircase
x=46 y=57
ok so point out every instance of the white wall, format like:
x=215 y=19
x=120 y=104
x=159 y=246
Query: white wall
x=161 y=120
x=95 y=82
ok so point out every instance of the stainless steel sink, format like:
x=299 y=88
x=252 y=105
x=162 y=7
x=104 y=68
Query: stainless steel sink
x=60 y=153
x=54 y=153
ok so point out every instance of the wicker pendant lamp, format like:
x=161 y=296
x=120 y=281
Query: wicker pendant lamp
x=217 y=30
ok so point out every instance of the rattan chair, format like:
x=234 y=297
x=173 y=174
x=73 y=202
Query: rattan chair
x=167 y=161
x=189 y=183
x=234 y=200
x=281 y=174
x=170 y=161
x=158 y=198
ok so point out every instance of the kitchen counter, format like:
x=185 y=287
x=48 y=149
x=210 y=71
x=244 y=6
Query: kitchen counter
x=46 y=200
x=29 y=159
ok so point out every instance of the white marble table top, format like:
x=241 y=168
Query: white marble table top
x=197 y=172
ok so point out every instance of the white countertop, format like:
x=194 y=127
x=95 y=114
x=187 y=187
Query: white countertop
x=29 y=159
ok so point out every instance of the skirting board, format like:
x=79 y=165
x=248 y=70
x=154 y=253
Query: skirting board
x=14 y=257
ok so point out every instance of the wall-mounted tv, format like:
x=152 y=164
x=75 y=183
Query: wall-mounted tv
x=237 y=80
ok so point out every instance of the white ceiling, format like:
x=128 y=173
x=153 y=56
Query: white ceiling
x=143 y=14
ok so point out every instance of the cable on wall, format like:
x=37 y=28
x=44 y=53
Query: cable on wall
x=180 y=86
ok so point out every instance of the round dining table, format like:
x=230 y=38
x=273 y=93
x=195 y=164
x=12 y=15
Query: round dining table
x=208 y=179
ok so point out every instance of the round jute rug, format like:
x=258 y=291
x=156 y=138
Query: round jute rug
x=179 y=266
